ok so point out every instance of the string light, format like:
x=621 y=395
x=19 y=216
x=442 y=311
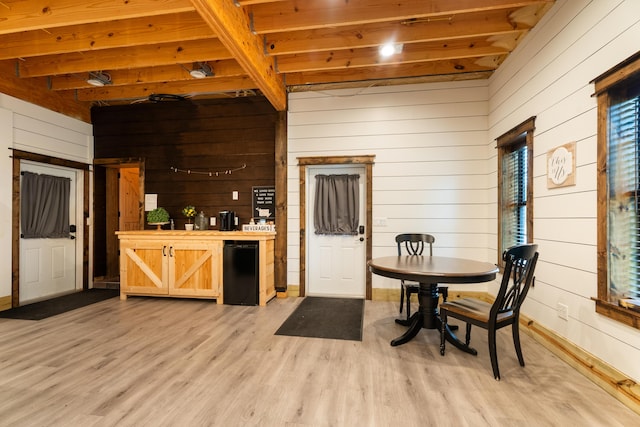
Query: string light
x=210 y=173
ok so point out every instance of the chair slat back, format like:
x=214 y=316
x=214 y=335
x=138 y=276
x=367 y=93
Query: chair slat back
x=520 y=264
x=414 y=243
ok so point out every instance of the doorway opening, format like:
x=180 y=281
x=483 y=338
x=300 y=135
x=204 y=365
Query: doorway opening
x=305 y=162
x=80 y=242
x=118 y=202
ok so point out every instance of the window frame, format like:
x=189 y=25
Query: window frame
x=621 y=75
x=514 y=139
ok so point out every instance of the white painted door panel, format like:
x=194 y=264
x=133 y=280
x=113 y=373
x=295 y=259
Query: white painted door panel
x=336 y=265
x=48 y=266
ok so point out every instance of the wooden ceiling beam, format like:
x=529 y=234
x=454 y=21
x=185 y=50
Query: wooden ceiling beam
x=35 y=91
x=105 y=35
x=17 y=16
x=295 y=15
x=476 y=75
x=252 y=2
x=232 y=25
x=409 y=31
x=418 y=52
x=183 y=88
x=452 y=67
x=123 y=58
x=166 y=73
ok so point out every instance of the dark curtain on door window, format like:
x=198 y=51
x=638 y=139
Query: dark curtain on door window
x=337 y=204
x=44 y=206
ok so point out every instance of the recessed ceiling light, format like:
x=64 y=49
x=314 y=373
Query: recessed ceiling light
x=388 y=49
x=201 y=70
x=98 y=78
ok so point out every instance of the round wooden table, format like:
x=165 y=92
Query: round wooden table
x=428 y=271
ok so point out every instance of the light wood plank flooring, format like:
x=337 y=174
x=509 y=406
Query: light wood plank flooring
x=173 y=362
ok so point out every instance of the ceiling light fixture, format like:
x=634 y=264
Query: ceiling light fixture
x=201 y=70
x=388 y=49
x=98 y=78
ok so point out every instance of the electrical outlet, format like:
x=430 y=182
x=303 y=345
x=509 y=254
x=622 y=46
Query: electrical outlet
x=212 y=221
x=563 y=311
x=234 y=195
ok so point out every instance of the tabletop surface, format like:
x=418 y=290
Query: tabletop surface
x=426 y=268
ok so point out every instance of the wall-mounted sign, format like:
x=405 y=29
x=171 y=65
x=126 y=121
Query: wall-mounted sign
x=150 y=202
x=561 y=166
x=264 y=203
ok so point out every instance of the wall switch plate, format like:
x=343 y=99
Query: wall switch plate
x=235 y=195
x=563 y=311
x=380 y=222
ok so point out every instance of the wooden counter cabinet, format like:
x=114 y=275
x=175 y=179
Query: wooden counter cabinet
x=172 y=268
x=186 y=263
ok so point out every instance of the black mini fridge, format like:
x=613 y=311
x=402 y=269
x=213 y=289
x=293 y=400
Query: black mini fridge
x=240 y=273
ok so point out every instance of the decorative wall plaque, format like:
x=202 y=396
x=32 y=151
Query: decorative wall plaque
x=561 y=166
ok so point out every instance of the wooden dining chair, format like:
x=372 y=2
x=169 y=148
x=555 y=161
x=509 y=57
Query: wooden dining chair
x=518 y=276
x=414 y=244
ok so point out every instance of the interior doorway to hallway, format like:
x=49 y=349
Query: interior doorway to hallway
x=118 y=200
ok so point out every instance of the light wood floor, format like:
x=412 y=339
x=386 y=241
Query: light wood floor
x=172 y=362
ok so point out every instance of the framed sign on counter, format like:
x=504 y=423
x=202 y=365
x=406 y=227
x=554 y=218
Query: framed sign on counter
x=264 y=203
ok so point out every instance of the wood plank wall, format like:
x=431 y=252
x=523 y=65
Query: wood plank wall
x=549 y=77
x=430 y=168
x=202 y=136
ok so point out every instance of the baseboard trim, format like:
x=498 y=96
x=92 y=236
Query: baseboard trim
x=599 y=372
x=5 y=303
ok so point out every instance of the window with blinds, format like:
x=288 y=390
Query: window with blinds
x=515 y=187
x=514 y=197
x=618 y=94
x=623 y=186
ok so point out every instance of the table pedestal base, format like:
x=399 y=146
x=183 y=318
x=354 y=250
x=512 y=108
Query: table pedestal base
x=427 y=317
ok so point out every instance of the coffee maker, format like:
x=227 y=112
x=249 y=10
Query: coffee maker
x=227 y=220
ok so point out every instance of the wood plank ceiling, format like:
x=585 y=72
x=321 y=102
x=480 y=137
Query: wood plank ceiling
x=147 y=48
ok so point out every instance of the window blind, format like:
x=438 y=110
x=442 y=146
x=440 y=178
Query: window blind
x=514 y=197
x=623 y=186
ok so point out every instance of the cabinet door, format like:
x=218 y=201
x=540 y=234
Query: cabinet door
x=195 y=268
x=144 y=267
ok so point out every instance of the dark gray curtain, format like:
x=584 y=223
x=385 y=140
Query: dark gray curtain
x=337 y=204
x=44 y=206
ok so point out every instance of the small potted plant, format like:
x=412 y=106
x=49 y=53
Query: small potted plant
x=158 y=217
x=189 y=211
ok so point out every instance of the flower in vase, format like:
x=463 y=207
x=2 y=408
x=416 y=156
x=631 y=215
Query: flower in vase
x=189 y=211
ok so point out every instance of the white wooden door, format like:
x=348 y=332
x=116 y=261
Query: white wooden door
x=336 y=265
x=48 y=266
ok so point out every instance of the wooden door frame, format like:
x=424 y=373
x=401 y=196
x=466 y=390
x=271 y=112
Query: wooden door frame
x=303 y=163
x=117 y=163
x=19 y=155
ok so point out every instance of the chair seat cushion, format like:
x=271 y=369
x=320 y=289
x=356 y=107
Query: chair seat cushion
x=472 y=308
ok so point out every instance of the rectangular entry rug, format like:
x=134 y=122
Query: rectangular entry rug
x=43 y=309
x=319 y=317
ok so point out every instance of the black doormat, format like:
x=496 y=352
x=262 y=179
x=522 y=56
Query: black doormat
x=319 y=317
x=43 y=309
